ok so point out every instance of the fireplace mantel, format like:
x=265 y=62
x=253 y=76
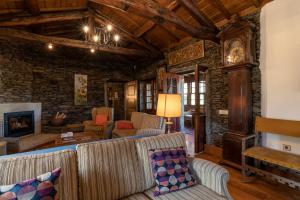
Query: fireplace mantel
x=20 y=107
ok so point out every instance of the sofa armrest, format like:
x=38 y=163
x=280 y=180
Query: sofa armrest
x=116 y=122
x=88 y=123
x=212 y=176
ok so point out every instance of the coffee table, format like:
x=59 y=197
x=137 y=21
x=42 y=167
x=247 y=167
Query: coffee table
x=78 y=138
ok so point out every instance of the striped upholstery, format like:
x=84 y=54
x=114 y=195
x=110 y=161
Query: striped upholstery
x=211 y=175
x=13 y=170
x=139 y=196
x=158 y=142
x=197 y=192
x=108 y=170
x=150 y=132
x=151 y=121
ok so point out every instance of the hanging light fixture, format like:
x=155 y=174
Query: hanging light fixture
x=50 y=46
x=104 y=35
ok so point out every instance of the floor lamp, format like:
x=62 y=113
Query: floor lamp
x=168 y=106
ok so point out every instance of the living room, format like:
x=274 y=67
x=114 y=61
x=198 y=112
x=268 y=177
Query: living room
x=96 y=94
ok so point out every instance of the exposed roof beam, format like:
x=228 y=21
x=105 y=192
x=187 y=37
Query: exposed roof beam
x=44 y=18
x=158 y=14
x=7 y=33
x=103 y=20
x=219 y=5
x=256 y=3
x=150 y=24
x=33 y=6
x=192 y=7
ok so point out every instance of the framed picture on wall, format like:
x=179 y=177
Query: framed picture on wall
x=159 y=76
x=80 y=87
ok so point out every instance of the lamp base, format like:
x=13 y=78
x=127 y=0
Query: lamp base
x=169 y=124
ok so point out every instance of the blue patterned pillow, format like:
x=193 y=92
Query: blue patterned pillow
x=170 y=170
x=40 y=188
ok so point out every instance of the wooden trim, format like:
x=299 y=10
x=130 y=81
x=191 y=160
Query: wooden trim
x=219 y=5
x=278 y=126
x=6 y=33
x=33 y=6
x=45 y=18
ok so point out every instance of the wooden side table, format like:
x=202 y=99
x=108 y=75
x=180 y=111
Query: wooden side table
x=3 y=150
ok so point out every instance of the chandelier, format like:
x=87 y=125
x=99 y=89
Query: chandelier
x=100 y=36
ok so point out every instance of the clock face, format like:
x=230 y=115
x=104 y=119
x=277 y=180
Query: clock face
x=235 y=52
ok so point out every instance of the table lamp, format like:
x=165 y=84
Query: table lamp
x=169 y=105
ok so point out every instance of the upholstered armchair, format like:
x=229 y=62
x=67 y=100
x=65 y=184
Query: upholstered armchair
x=106 y=128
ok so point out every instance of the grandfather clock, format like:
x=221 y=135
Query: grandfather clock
x=238 y=58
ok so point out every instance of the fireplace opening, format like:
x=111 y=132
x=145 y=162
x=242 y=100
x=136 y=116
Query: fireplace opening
x=17 y=124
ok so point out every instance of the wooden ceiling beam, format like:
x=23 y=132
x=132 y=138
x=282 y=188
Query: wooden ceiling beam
x=160 y=15
x=13 y=33
x=256 y=3
x=44 y=18
x=220 y=6
x=33 y=7
x=150 y=24
x=104 y=20
x=197 y=14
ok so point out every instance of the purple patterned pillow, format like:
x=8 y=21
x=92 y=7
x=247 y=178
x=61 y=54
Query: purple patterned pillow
x=170 y=170
x=40 y=188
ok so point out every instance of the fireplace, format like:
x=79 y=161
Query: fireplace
x=17 y=124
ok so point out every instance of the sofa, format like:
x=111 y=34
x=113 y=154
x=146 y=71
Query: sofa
x=140 y=121
x=114 y=169
x=90 y=125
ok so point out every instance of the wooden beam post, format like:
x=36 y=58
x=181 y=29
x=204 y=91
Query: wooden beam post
x=160 y=15
x=44 y=18
x=12 y=33
x=192 y=7
x=33 y=7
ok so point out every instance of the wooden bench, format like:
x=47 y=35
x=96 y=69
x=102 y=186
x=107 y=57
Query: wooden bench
x=285 y=160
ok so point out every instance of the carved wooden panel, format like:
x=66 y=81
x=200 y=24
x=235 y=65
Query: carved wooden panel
x=188 y=53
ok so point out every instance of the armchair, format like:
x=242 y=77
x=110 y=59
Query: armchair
x=91 y=126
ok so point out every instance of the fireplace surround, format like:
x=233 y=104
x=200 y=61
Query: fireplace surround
x=17 y=124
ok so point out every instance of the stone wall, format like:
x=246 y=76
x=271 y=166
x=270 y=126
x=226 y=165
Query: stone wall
x=217 y=86
x=30 y=73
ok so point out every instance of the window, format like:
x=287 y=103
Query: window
x=149 y=96
x=190 y=93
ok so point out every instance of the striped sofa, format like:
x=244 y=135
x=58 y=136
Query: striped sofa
x=115 y=169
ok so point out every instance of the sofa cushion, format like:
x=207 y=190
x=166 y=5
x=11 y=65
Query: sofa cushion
x=124 y=132
x=139 y=196
x=143 y=145
x=151 y=121
x=197 y=192
x=136 y=119
x=41 y=187
x=171 y=171
x=13 y=170
x=109 y=170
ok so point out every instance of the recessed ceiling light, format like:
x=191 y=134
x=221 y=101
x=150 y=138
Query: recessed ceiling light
x=50 y=46
x=85 y=29
x=92 y=50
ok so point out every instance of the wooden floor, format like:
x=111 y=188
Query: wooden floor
x=260 y=189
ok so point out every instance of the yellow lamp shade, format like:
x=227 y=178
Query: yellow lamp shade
x=169 y=105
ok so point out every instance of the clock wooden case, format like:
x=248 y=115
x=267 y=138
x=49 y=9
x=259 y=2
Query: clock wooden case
x=238 y=44
x=238 y=58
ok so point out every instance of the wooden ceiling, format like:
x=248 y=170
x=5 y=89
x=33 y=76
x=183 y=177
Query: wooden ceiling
x=147 y=27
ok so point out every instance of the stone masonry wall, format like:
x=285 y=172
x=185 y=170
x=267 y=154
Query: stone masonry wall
x=30 y=73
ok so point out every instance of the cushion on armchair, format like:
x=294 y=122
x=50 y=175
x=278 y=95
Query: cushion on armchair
x=101 y=119
x=123 y=124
